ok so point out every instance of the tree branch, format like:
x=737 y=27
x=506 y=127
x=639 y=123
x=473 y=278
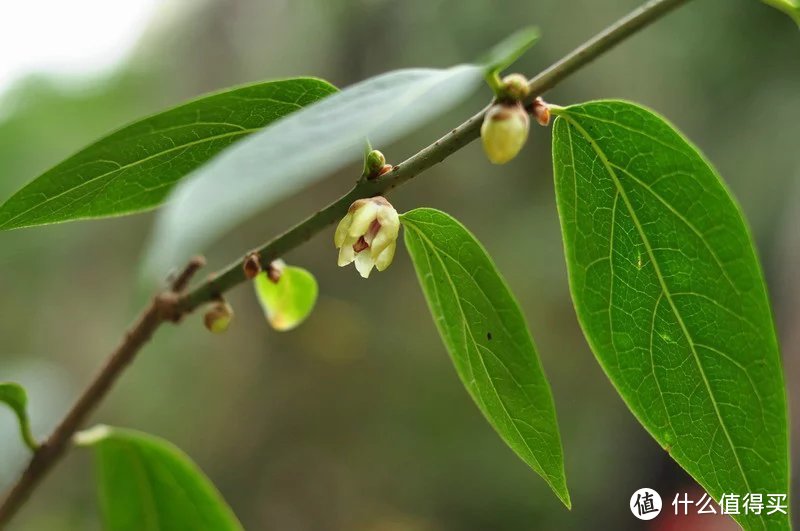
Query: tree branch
x=172 y=304
x=432 y=154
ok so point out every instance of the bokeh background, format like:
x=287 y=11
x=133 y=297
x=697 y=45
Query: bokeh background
x=356 y=420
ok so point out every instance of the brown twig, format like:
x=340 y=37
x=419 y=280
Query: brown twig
x=162 y=308
x=173 y=304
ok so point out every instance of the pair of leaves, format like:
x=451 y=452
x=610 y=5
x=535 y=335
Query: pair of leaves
x=146 y=483
x=309 y=145
x=134 y=169
x=669 y=294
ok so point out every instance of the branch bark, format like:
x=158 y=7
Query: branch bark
x=172 y=304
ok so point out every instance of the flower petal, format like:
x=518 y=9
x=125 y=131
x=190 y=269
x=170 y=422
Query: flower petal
x=364 y=264
x=381 y=241
x=341 y=230
x=346 y=255
x=362 y=219
x=388 y=218
x=384 y=260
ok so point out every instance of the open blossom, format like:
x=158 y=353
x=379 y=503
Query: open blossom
x=367 y=235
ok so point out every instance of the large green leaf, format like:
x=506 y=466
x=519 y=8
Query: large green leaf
x=483 y=329
x=670 y=296
x=14 y=396
x=307 y=146
x=147 y=484
x=134 y=168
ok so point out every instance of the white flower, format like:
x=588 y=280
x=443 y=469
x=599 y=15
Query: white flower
x=368 y=235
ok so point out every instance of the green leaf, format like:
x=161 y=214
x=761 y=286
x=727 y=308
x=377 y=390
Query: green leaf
x=14 y=396
x=482 y=327
x=134 y=168
x=303 y=148
x=299 y=150
x=146 y=483
x=510 y=49
x=790 y=7
x=670 y=295
x=288 y=301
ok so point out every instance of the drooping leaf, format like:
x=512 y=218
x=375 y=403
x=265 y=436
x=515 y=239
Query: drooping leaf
x=300 y=149
x=287 y=302
x=790 y=7
x=14 y=396
x=488 y=340
x=670 y=295
x=147 y=484
x=134 y=168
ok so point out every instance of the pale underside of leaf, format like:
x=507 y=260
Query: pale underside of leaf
x=671 y=297
x=298 y=150
x=484 y=331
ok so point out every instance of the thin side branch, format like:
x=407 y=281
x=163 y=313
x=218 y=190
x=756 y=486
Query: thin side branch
x=173 y=304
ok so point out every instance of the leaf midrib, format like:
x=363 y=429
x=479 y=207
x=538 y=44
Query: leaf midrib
x=665 y=290
x=435 y=252
x=127 y=166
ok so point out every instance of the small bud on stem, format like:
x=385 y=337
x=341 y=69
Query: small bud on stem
x=375 y=164
x=541 y=111
x=218 y=318
x=274 y=270
x=514 y=88
x=252 y=265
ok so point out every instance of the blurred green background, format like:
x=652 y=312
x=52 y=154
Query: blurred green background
x=356 y=420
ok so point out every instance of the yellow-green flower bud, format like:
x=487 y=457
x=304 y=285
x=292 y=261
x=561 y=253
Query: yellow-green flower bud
x=515 y=87
x=504 y=131
x=375 y=163
x=367 y=235
x=218 y=318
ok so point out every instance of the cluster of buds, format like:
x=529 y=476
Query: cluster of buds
x=506 y=124
x=367 y=235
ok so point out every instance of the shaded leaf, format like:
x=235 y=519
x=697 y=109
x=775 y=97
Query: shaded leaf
x=146 y=483
x=134 y=168
x=483 y=329
x=790 y=7
x=14 y=396
x=287 y=302
x=671 y=298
